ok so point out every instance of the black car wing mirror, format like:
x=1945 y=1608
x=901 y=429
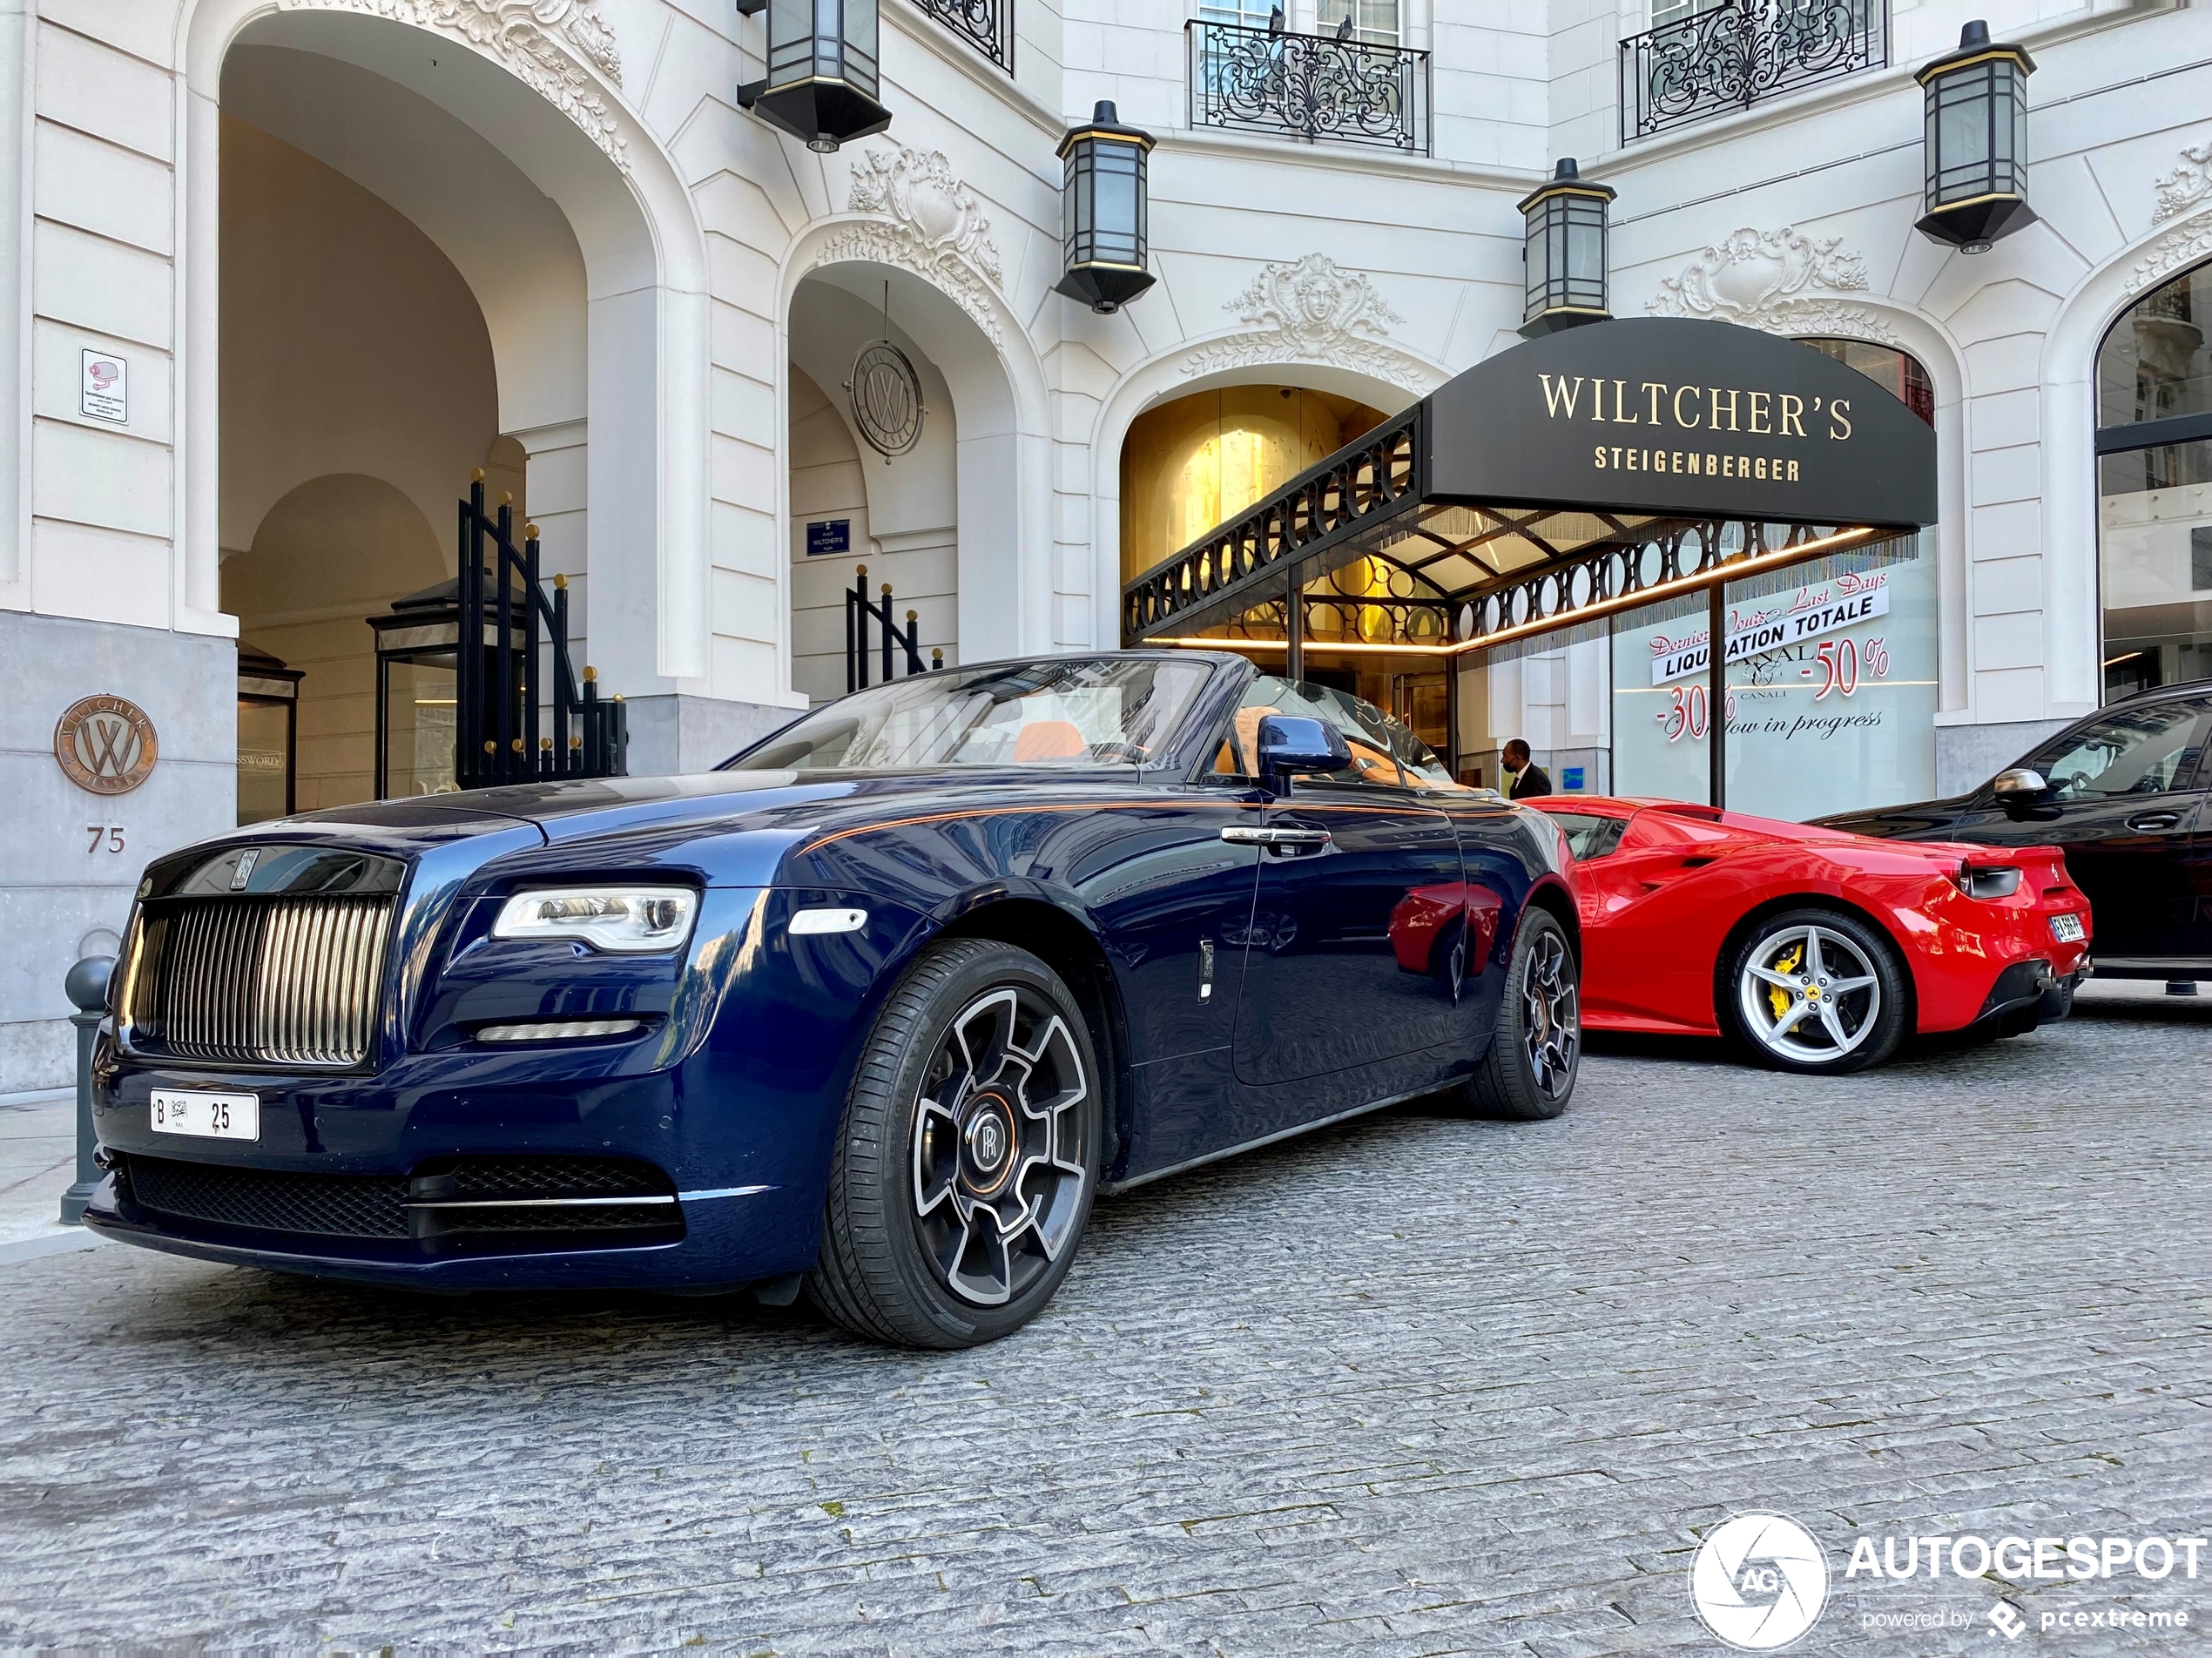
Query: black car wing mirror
x=2022 y=791
x=1292 y=743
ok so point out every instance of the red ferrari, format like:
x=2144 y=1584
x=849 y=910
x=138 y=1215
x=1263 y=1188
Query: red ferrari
x=1816 y=949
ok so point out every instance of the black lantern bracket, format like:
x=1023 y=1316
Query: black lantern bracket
x=1105 y=209
x=1976 y=142
x=1563 y=251
x=823 y=80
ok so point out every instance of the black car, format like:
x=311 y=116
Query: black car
x=2122 y=793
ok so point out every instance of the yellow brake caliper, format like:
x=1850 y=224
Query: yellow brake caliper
x=1776 y=997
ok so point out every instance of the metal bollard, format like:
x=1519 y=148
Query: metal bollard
x=87 y=987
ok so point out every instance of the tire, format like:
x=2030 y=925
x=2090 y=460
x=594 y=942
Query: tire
x=1536 y=1049
x=968 y=1155
x=1822 y=967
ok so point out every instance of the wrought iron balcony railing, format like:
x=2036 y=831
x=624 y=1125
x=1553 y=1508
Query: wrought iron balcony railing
x=1314 y=87
x=988 y=25
x=1742 y=50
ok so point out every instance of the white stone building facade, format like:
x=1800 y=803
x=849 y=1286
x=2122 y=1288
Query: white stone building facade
x=348 y=251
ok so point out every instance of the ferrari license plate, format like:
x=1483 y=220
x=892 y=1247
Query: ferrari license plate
x=2066 y=929
x=210 y=1116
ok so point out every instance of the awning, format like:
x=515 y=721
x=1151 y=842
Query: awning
x=1589 y=471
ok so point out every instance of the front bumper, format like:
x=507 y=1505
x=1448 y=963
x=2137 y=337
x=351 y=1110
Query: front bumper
x=743 y=1158
x=726 y=1243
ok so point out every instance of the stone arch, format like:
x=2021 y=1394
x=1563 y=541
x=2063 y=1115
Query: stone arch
x=548 y=108
x=1170 y=374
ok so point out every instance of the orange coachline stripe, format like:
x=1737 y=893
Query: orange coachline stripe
x=1105 y=806
x=1001 y=812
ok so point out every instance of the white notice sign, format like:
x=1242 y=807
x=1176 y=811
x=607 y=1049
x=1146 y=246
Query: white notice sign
x=106 y=393
x=1810 y=613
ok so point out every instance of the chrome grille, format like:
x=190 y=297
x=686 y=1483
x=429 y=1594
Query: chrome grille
x=269 y=980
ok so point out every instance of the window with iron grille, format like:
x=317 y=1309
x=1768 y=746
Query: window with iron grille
x=988 y=25
x=1703 y=58
x=1319 y=89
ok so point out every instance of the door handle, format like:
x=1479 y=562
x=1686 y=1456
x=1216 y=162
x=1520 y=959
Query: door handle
x=2154 y=820
x=1290 y=838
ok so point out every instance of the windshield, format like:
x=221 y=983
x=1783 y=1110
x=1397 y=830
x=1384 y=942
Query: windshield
x=1070 y=713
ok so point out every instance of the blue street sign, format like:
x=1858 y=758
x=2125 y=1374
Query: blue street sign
x=831 y=536
x=1574 y=776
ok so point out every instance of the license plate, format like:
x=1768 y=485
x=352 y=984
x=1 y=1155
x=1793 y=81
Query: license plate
x=2066 y=929
x=211 y=1117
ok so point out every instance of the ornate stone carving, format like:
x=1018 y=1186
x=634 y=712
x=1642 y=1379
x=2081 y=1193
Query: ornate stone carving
x=927 y=221
x=2185 y=187
x=873 y=242
x=1766 y=280
x=1309 y=311
x=916 y=191
x=2184 y=245
x=544 y=43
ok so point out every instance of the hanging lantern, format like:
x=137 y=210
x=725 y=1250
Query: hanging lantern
x=821 y=84
x=1564 y=252
x=1104 y=210
x=1977 y=143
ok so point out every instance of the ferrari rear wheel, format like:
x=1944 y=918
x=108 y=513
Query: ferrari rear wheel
x=1819 y=992
x=968 y=1155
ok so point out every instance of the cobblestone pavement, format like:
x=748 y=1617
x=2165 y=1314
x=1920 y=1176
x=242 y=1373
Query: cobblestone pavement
x=1418 y=1385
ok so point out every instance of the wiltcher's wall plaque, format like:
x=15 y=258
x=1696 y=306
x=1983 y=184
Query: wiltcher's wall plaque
x=106 y=745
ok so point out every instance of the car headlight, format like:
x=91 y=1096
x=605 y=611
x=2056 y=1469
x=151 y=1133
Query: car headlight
x=634 y=919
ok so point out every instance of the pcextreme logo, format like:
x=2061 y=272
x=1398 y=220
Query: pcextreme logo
x=1759 y=1581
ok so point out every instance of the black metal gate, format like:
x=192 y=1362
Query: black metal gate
x=509 y=729
x=862 y=615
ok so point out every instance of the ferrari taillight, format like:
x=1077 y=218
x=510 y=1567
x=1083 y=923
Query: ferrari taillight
x=2000 y=881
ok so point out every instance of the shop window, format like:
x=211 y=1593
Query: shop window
x=2154 y=489
x=1895 y=372
x=1839 y=713
x=1831 y=696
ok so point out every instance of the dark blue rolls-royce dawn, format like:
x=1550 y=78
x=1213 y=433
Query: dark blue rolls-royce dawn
x=875 y=1010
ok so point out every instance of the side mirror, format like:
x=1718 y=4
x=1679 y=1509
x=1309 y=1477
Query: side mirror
x=1293 y=743
x=2020 y=784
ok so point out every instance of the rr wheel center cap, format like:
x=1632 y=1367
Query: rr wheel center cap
x=987 y=1144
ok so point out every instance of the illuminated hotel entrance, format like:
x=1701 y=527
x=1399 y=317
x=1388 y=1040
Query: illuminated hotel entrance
x=1655 y=482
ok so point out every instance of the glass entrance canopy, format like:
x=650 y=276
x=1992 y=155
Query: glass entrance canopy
x=1592 y=471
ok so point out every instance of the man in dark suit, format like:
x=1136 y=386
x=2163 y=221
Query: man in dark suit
x=1529 y=777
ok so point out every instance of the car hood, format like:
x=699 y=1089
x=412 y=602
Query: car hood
x=725 y=828
x=1906 y=822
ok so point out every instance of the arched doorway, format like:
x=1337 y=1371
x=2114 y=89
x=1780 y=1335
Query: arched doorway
x=570 y=299
x=358 y=391
x=331 y=552
x=1194 y=462
x=2154 y=448
x=939 y=523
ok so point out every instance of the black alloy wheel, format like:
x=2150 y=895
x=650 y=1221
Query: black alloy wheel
x=1536 y=1051
x=969 y=1156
